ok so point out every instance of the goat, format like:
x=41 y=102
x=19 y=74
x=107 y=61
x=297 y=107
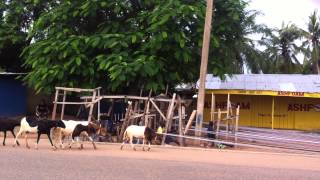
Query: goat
x=85 y=130
x=70 y=125
x=31 y=125
x=144 y=132
x=8 y=124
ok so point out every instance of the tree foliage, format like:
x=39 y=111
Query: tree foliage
x=129 y=44
x=311 y=44
x=16 y=17
x=282 y=50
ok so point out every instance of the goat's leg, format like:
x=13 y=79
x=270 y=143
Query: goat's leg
x=14 y=136
x=38 y=138
x=143 y=143
x=77 y=142
x=90 y=138
x=53 y=147
x=26 y=139
x=124 y=141
x=72 y=141
x=4 y=138
x=16 y=139
x=149 y=147
x=132 y=145
x=60 y=139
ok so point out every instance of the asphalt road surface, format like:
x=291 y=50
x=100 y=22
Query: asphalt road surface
x=109 y=162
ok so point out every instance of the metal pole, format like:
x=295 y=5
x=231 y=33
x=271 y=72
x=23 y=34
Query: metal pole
x=203 y=67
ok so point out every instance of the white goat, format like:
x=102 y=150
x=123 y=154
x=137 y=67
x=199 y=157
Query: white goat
x=67 y=131
x=143 y=132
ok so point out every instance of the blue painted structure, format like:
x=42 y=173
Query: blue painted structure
x=13 y=96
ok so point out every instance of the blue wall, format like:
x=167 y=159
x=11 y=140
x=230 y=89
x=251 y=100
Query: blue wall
x=13 y=96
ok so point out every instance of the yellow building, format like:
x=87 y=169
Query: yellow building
x=269 y=100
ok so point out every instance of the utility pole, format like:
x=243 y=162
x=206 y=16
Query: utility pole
x=203 y=67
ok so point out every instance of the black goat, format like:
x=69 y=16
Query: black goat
x=39 y=127
x=8 y=124
x=86 y=131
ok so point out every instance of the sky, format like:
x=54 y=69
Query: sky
x=278 y=11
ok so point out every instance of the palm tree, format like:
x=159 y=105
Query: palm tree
x=312 y=44
x=281 y=50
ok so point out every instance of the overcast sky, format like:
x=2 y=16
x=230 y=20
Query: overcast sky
x=278 y=11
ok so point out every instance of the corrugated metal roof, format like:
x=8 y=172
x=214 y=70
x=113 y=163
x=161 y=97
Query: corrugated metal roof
x=272 y=82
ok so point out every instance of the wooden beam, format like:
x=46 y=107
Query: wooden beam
x=91 y=106
x=54 y=111
x=237 y=125
x=272 y=113
x=63 y=105
x=180 y=120
x=146 y=109
x=157 y=108
x=99 y=113
x=228 y=113
x=213 y=106
x=74 y=103
x=75 y=89
x=203 y=66
x=237 y=118
x=126 y=121
x=131 y=97
x=218 y=123
x=192 y=116
x=169 y=116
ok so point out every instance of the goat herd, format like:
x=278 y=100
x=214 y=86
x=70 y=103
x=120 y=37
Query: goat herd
x=59 y=129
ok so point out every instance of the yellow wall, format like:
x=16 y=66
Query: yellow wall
x=290 y=112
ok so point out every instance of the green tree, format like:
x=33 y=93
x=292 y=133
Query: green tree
x=16 y=17
x=312 y=44
x=129 y=44
x=281 y=50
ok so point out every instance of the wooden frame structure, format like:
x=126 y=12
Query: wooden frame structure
x=152 y=107
x=95 y=98
x=230 y=120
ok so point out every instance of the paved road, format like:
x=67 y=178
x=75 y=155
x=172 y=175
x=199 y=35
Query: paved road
x=108 y=162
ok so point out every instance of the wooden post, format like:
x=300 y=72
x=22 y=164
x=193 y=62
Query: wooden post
x=63 y=105
x=126 y=121
x=169 y=116
x=192 y=116
x=157 y=108
x=91 y=105
x=146 y=116
x=203 y=67
x=54 y=111
x=99 y=119
x=146 y=109
x=180 y=120
x=213 y=106
x=272 y=113
x=218 y=123
x=228 y=114
x=167 y=89
x=237 y=124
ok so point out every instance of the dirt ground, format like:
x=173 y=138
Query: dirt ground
x=109 y=162
x=221 y=156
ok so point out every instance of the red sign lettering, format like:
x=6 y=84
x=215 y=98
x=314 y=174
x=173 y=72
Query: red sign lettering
x=288 y=93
